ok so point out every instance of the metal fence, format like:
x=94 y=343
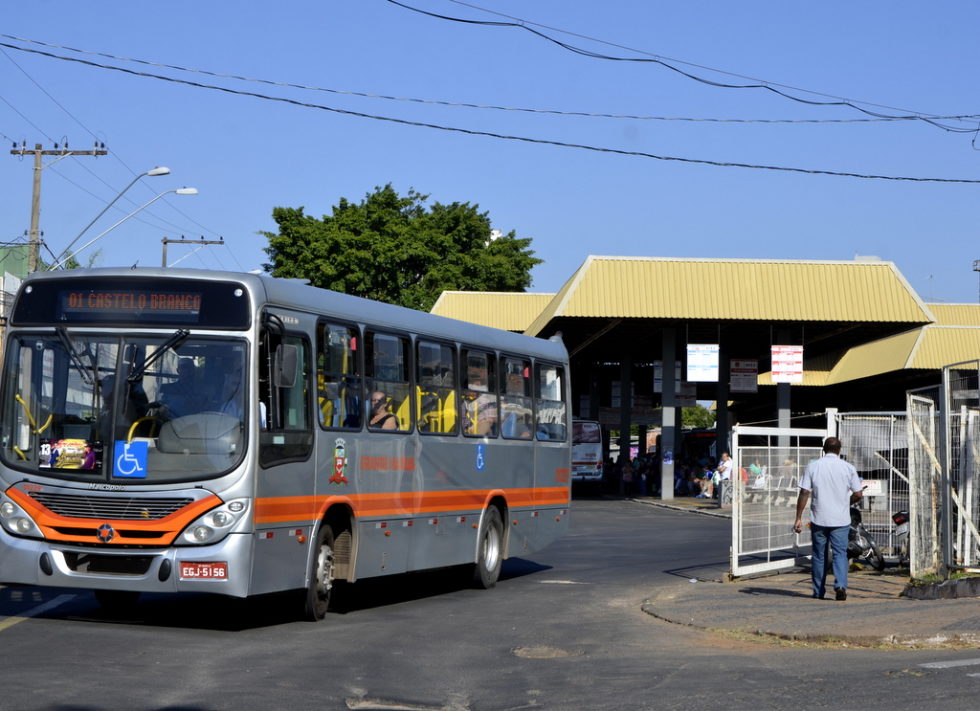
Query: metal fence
x=770 y=462
x=876 y=443
x=944 y=468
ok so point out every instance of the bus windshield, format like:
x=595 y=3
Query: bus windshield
x=124 y=409
x=586 y=432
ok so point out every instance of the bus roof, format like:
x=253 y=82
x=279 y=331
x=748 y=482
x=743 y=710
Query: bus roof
x=298 y=294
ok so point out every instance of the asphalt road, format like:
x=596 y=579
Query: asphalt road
x=562 y=630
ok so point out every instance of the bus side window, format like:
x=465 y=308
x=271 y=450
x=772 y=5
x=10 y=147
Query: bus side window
x=288 y=430
x=515 y=398
x=436 y=379
x=388 y=399
x=478 y=403
x=338 y=377
x=550 y=393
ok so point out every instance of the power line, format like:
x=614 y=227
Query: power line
x=85 y=167
x=762 y=84
x=469 y=105
x=488 y=134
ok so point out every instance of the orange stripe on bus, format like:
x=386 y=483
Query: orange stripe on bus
x=311 y=508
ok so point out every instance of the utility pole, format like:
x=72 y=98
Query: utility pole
x=172 y=240
x=976 y=265
x=37 y=152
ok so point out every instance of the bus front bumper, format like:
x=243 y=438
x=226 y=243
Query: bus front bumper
x=223 y=568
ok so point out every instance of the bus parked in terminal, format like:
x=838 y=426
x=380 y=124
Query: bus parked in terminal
x=166 y=430
x=587 y=453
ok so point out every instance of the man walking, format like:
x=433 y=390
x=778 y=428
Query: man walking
x=833 y=485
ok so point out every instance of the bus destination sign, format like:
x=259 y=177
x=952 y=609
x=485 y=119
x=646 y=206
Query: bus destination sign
x=133 y=301
x=170 y=303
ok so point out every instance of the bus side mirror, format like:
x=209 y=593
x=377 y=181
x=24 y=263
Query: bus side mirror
x=285 y=365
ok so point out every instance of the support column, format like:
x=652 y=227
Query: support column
x=722 y=424
x=783 y=405
x=668 y=431
x=625 y=408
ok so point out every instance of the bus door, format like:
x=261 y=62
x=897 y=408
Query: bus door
x=285 y=510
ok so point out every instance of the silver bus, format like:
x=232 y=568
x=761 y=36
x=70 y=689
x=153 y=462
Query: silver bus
x=167 y=430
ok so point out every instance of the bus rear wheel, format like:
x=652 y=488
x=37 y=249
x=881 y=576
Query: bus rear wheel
x=321 y=580
x=489 y=550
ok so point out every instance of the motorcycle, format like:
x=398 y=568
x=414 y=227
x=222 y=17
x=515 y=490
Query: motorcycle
x=901 y=519
x=861 y=545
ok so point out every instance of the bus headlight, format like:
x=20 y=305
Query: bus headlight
x=16 y=521
x=216 y=523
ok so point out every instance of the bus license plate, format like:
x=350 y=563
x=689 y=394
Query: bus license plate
x=203 y=571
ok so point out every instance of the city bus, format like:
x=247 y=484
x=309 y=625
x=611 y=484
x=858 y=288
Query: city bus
x=587 y=453
x=172 y=431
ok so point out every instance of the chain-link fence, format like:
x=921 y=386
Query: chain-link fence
x=944 y=470
x=769 y=462
x=876 y=443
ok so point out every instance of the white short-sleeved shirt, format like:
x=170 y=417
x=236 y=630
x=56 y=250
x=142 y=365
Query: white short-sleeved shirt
x=830 y=481
x=726 y=468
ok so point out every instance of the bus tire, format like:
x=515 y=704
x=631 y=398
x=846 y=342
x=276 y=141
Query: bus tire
x=321 y=580
x=490 y=548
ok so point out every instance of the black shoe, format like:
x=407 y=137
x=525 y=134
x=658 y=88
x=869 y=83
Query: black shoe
x=818 y=597
x=841 y=593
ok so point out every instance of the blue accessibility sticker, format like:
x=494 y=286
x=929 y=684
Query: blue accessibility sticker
x=129 y=459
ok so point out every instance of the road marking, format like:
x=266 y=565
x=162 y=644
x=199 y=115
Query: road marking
x=35 y=611
x=952 y=663
x=561 y=582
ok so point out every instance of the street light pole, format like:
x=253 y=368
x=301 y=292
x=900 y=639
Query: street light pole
x=159 y=170
x=178 y=191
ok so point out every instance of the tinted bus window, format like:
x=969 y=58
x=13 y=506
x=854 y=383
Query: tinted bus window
x=478 y=405
x=550 y=424
x=436 y=378
x=386 y=362
x=515 y=398
x=338 y=377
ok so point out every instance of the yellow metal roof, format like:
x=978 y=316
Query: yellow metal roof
x=738 y=289
x=511 y=311
x=956 y=314
x=953 y=338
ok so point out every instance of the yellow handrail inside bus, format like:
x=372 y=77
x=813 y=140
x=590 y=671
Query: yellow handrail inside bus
x=30 y=417
x=137 y=423
x=20 y=453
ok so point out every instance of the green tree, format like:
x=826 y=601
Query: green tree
x=395 y=249
x=697 y=417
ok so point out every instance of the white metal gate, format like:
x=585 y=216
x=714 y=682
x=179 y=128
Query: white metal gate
x=768 y=464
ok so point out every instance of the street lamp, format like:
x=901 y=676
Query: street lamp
x=178 y=191
x=159 y=170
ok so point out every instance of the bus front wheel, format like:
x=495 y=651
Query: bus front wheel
x=490 y=550
x=317 y=599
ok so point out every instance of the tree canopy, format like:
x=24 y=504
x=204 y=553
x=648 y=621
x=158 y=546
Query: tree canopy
x=395 y=249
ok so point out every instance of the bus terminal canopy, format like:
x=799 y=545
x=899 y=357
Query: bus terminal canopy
x=618 y=309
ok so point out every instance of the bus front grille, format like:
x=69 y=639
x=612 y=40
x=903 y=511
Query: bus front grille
x=108 y=564
x=109 y=507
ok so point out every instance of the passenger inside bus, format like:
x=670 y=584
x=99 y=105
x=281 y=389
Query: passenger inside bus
x=380 y=418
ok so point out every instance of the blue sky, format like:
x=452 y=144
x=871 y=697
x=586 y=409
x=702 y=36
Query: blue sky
x=247 y=155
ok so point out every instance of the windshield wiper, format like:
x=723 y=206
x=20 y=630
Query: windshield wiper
x=87 y=373
x=174 y=342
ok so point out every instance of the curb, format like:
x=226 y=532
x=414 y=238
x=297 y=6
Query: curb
x=717 y=513
x=902 y=641
x=946 y=590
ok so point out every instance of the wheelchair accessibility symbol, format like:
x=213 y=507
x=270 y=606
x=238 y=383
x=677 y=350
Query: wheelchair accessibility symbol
x=130 y=460
x=481 y=457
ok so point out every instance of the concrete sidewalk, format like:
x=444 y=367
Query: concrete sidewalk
x=782 y=606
